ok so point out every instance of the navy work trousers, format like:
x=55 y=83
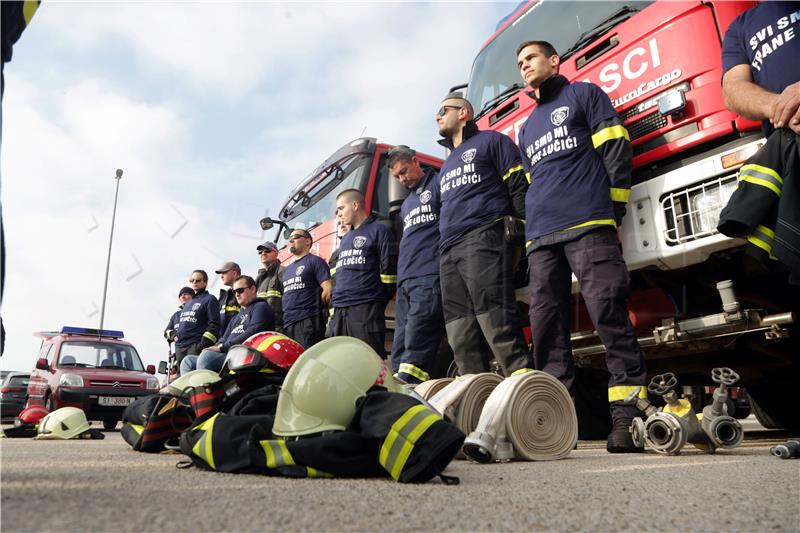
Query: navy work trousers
x=419 y=325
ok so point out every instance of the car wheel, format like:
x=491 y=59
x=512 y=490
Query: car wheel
x=108 y=425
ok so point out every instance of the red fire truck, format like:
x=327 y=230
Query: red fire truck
x=699 y=301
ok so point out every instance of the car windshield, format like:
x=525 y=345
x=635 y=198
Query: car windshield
x=18 y=381
x=99 y=354
x=559 y=23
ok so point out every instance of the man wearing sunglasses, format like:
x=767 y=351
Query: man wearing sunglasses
x=480 y=184
x=268 y=281
x=306 y=291
x=254 y=317
x=419 y=323
x=228 y=307
x=198 y=327
x=366 y=274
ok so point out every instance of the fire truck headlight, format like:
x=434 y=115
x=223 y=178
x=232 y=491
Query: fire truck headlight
x=707 y=203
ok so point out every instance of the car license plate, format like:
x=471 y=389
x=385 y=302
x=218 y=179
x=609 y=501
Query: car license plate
x=115 y=401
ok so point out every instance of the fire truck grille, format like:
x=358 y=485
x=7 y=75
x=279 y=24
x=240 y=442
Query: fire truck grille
x=645 y=125
x=693 y=212
x=115 y=384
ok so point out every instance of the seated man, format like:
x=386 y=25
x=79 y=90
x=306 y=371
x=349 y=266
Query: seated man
x=255 y=316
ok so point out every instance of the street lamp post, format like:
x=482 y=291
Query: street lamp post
x=110 y=241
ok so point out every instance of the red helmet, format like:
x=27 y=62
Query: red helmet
x=31 y=415
x=264 y=352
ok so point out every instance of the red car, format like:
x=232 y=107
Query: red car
x=93 y=370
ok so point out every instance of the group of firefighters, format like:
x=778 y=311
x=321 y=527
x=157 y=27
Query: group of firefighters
x=566 y=184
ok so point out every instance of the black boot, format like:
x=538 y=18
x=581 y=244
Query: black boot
x=620 y=439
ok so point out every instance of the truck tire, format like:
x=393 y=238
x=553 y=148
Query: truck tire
x=774 y=407
x=108 y=425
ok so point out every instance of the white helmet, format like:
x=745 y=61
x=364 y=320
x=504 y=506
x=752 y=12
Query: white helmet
x=64 y=423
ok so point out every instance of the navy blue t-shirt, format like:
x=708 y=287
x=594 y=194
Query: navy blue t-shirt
x=569 y=183
x=419 y=245
x=254 y=318
x=366 y=265
x=302 y=291
x=766 y=37
x=195 y=317
x=471 y=186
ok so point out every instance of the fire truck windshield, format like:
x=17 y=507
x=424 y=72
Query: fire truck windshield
x=315 y=201
x=560 y=23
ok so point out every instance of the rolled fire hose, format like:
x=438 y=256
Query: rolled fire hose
x=462 y=400
x=428 y=389
x=528 y=417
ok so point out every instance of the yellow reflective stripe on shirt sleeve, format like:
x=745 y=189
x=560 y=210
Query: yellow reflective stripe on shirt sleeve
x=528 y=177
x=762 y=176
x=210 y=336
x=415 y=371
x=333 y=271
x=235 y=308
x=603 y=222
x=620 y=195
x=203 y=447
x=607 y=134
x=511 y=171
x=28 y=9
x=404 y=433
x=621 y=392
x=274 y=294
x=763 y=238
x=388 y=278
x=276 y=453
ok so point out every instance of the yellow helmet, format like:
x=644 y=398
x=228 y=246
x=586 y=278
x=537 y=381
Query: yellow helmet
x=64 y=423
x=322 y=387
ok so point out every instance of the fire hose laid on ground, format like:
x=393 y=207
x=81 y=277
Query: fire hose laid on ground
x=667 y=430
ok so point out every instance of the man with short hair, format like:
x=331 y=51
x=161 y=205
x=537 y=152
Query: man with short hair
x=184 y=295
x=419 y=323
x=228 y=308
x=580 y=160
x=198 y=326
x=306 y=291
x=254 y=316
x=480 y=184
x=366 y=274
x=268 y=281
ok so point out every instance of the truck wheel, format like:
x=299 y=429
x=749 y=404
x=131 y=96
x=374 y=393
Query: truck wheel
x=108 y=425
x=774 y=406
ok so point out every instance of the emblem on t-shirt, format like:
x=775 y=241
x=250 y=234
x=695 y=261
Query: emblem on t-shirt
x=359 y=242
x=195 y=307
x=425 y=197
x=469 y=155
x=300 y=269
x=559 y=115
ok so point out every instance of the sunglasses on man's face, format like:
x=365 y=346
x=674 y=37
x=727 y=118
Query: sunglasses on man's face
x=445 y=108
x=195 y=280
x=264 y=251
x=297 y=236
x=240 y=290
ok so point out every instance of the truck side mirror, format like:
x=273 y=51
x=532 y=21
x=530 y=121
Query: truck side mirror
x=162 y=367
x=41 y=364
x=151 y=369
x=266 y=223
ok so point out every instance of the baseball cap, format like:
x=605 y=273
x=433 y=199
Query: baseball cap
x=230 y=265
x=267 y=245
x=185 y=290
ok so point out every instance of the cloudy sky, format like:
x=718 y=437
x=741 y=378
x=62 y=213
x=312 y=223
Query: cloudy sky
x=213 y=111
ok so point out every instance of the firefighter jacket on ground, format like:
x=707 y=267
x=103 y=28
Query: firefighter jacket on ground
x=199 y=321
x=765 y=208
x=366 y=268
x=228 y=307
x=578 y=156
x=15 y=17
x=302 y=288
x=254 y=318
x=172 y=325
x=270 y=288
x=482 y=180
x=391 y=435
x=419 y=245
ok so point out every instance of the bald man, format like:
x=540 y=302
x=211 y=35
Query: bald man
x=480 y=183
x=366 y=274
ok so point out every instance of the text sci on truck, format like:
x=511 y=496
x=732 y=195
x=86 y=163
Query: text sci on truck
x=360 y=164
x=660 y=63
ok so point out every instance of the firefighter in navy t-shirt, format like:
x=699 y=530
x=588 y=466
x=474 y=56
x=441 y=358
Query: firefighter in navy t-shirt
x=760 y=62
x=198 y=327
x=306 y=292
x=580 y=160
x=480 y=183
x=366 y=274
x=419 y=322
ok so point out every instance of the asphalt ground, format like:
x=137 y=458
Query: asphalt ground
x=105 y=486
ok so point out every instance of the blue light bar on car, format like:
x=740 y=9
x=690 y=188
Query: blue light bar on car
x=72 y=330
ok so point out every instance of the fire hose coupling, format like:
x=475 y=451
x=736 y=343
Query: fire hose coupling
x=529 y=417
x=669 y=429
x=788 y=450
